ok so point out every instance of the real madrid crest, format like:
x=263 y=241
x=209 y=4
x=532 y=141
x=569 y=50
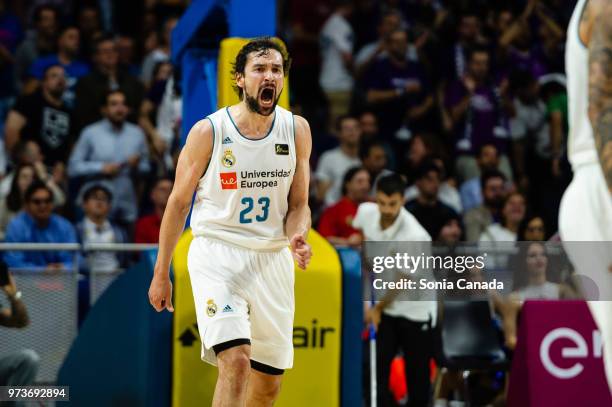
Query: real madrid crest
x=211 y=308
x=228 y=160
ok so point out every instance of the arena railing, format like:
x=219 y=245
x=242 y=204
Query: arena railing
x=51 y=298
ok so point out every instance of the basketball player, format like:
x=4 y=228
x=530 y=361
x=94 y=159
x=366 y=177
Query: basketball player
x=586 y=207
x=249 y=166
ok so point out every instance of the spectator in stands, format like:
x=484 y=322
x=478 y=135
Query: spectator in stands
x=306 y=17
x=90 y=27
x=106 y=76
x=470 y=191
x=23 y=177
x=447 y=193
x=27 y=152
x=369 y=126
x=147 y=227
x=531 y=281
x=336 y=221
x=530 y=133
x=337 y=41
x=426 y=207
x=66 y=57
x=38 y=224
x=401 y=324
x=374 y=159
x=160 y=54
x=397 y=89
x=164 y=102
x=420 y=147
x=40 y=41
x=512 y=214
x=370 y=132
x=532 y=228
x=96 y=227
x=45 y=118
x=451 y=232
x=517 y=47
x=18 y=368
x=468 y=34
x=389 y=22
x=116 y=150
x=126 y=48
x=10 y=38
x=476 y=220
x=476 y=108
x=334 y=163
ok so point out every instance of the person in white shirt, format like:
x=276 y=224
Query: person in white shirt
x=334 y=163
x=513 y=212
x=405 y=325
x=96 y=228
x=337 y=41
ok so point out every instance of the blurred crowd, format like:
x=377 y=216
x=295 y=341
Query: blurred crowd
x=91 y=118
x=465 y=99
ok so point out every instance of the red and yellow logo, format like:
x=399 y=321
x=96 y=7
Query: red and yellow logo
x=229 y=180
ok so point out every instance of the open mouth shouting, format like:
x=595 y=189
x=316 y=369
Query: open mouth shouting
x=267 y=96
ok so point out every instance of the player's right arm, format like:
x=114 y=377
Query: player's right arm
x=191 y=165
x=600 y=83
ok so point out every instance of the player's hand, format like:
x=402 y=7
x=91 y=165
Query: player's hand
x=301 y=250
x=11 y=288
x=160 y=293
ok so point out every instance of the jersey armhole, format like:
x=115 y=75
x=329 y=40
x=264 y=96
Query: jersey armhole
x=212 y=150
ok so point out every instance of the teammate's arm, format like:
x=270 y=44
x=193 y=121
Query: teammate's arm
x=191 y=165
x=298 y=220
x=600 y=84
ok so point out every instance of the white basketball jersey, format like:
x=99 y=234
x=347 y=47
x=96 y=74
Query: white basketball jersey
x=243 y=196
x=580 y=144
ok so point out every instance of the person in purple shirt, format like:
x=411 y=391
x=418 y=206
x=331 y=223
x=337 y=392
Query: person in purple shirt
x=67 y=52
x=475 y=106
x=38 y=224
x=397 y=90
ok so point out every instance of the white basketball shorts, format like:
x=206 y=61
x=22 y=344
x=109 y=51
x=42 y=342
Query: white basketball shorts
x=243 y=294
x=586 y=215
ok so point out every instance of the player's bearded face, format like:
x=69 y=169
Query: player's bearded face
x=263 y=81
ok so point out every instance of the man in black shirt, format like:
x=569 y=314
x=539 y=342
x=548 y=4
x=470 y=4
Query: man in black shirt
x=44 y=118
x=426 y=207
x=107 y=75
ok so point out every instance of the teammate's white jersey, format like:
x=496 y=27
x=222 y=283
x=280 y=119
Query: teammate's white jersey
x=581 y=144
x=242 y=198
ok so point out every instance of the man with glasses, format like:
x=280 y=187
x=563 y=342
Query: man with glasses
x=38 y=224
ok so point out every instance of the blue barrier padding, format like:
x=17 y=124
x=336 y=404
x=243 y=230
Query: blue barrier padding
x=248 y=18
x=121 y=356
x=199 y=84
x=188 y=26
x=352 y=325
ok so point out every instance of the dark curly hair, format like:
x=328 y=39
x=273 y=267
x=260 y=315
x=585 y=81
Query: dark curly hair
x=261 y=46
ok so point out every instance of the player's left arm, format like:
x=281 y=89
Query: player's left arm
x=298 y=219
x=600 y=84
